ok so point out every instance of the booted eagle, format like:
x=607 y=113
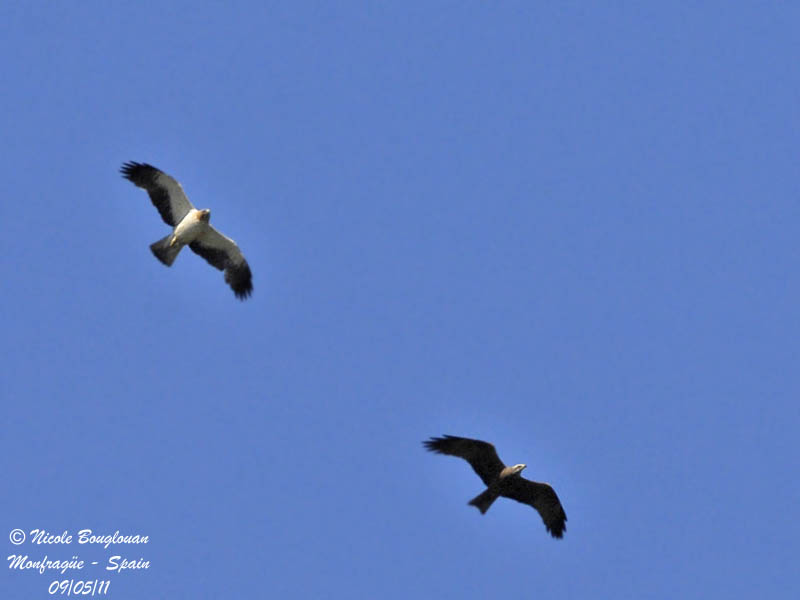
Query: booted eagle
x=190 y=226
x=502 y=480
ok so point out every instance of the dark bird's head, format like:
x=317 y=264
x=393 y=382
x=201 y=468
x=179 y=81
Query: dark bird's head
x=511 y=471
x=205 y=215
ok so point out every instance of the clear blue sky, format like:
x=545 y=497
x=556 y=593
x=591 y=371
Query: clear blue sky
x=570 y=230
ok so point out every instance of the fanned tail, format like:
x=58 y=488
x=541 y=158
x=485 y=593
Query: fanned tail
x=484 y=500
x=164 y=252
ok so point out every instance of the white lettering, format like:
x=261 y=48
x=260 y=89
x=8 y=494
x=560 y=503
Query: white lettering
x=19 y=562
x=119 y=564
x=85 y=536
x=40 y=536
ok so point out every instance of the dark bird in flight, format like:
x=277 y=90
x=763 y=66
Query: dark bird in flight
x=501 y=480
x=190 y=227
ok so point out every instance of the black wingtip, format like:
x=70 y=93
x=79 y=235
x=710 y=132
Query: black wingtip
x=128 y=168
x=435 y=443
x=429 y=444
x=240 y=278
x=558 y=528
x=135 y=171
x=243 y=293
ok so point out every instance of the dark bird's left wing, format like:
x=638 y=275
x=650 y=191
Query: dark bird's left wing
x=223 y=253
x=481 y=455
x=543 y=498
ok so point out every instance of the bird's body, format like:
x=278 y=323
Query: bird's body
x=504 y=483
x=190 y=227
x=503 y=480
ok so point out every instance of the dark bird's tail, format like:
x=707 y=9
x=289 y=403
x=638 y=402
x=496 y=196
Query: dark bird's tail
x=164 y=252
x=484 y=500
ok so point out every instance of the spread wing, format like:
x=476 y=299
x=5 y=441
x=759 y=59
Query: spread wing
x=544 y=499
x=165 y=193
x=223 y=253
x=481 y=455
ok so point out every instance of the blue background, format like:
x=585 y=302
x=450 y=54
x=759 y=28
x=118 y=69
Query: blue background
x=568 y=229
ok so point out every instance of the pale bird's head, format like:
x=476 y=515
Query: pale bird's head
x=205 y=215
x=518 y=468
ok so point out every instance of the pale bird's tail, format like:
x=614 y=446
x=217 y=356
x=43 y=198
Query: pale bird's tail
x=164 y=252
x=484 y=500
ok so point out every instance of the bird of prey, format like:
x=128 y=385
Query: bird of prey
x=190 y=226
x=501 y=480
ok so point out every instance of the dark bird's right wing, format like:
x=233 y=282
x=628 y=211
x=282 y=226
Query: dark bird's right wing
x=165 y=193
x=481 y=455
x=543 y=498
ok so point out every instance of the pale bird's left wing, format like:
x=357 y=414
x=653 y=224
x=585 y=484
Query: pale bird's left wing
x=223 y=253
x=543 y=498
x=165 y=192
